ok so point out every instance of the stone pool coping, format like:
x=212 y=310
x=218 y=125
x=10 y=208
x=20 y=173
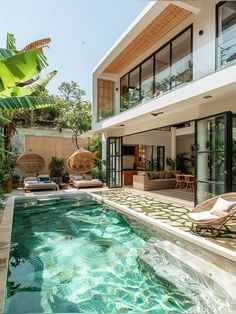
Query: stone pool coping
x=203 y=243
x=5 y=232
x=7 y=219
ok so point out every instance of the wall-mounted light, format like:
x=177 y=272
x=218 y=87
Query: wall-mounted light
x=117 y=88
x=200 y=32
x=207 y=97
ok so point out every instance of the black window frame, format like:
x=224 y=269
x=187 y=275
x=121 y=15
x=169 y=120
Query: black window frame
x=218 y=5
x=154 y=54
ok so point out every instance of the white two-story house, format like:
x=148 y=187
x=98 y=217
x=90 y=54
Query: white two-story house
x=168 y=86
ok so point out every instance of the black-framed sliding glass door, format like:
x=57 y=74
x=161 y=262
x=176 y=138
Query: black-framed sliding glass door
x=213 y=156
x=114 y=162
x=234 y=153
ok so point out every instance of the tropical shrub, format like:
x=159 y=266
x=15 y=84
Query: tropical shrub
x=56 y=167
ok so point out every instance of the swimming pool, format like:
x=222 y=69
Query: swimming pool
x=72 y=254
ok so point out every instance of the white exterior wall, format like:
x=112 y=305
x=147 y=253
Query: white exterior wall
x=203 y=64
x=184 y=143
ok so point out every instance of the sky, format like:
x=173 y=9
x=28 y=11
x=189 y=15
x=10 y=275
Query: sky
x=81 y=32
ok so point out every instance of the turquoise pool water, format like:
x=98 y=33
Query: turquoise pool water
x=73 y=255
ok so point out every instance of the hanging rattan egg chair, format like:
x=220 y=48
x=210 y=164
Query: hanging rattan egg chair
x=30 y=162
x=81 y=161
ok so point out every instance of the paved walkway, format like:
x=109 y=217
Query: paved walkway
x=169 y=211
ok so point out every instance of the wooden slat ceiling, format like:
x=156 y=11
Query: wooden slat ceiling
x=160 y=26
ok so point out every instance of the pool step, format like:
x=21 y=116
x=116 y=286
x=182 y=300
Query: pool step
x=185 y=270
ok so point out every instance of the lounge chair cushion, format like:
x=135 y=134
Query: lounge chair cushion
x=77 y=177
x=45 y=179
x=73 y=177
x=221 y=207
x=202 y=216
x=30 y=179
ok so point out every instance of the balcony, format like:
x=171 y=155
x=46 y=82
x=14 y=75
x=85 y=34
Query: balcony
x=172 y=67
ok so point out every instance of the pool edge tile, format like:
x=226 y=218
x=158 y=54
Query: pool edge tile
x=5 y=231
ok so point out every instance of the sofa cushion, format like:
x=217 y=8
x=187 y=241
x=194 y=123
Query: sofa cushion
x=168 y=174
x=162 y=174
x=153 y=175
x=141 y=173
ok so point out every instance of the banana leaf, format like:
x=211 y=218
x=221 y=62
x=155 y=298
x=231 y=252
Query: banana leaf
x=5 y=53
x=17 y=91
x=11 y=41
x=26 y=102
x=21 y=67
x=33 y=90
x=4 y=119
x=44 y=81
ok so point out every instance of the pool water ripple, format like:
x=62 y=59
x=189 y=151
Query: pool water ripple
x=75 y=255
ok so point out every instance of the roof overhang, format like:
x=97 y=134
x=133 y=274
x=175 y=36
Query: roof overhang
x=171 y=16
x=154 y=22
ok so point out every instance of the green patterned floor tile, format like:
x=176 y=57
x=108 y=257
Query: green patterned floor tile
x=170 y=213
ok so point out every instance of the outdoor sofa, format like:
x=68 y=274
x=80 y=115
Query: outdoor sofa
x=41 y=182
x=150 y=180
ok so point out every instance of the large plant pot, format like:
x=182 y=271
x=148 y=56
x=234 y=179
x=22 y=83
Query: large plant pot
x=57 y=179
x=7 y=186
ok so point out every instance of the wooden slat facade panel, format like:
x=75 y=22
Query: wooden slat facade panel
x=159 y=27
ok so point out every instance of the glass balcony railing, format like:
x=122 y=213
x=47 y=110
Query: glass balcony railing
x=181 y=72
x=104 y=112
x=201 y=63
x=226 y=50
x=208 y=59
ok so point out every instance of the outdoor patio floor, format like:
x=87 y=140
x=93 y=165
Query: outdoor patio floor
x=166 y=210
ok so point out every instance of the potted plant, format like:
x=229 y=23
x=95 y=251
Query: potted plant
x=15 y=181
x=7 y=169
x=170 y=163
x=56 y=167
x=6 y=182
x=183 y=163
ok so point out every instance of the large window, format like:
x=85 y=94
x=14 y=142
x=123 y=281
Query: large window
x=167 y=68
x=181 y=59
x=124 y=91
x=226 y=33
x=147 y=78
x=162 y=70
x=134 y=86
x=130 y=89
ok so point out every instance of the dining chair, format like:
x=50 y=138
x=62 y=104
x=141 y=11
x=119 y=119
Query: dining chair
x=189 y=182
x=179 y=181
